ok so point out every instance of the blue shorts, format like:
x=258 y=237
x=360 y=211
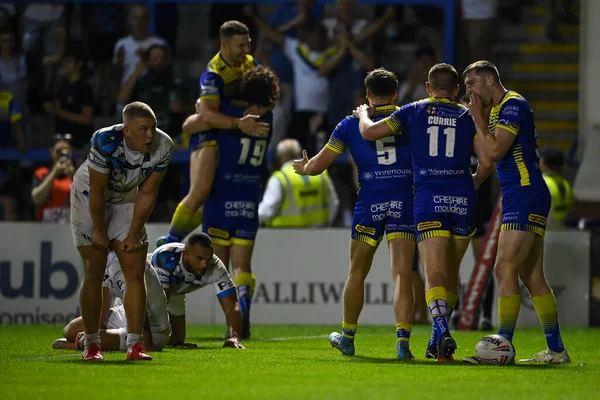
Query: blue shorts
x=231 y=217
x=202 y=140
x=526 y=209
x=446 y=210
x=384 y=210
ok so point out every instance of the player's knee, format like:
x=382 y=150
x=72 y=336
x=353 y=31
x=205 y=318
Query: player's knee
x=534 y=281
x=195 y=123
x=159 y=341
x=504 y=270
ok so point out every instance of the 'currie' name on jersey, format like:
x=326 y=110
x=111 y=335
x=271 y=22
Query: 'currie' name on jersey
x=434 y=120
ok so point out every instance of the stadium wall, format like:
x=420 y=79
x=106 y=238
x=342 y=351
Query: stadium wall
x=586 y=183
x=300 y=276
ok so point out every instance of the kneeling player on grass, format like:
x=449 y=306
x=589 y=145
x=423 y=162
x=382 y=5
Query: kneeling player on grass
x=185 y=268
x=113 y=326
x=385 y=205
x=172 y=271
x=442 y=138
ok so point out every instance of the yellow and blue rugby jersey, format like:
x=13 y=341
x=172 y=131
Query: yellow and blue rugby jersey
x=381 y=164
x=520 y=165
x=221 y=81
x=10 y=113
x=242 y=158
x=441 y=134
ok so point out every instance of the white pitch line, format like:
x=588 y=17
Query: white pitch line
x=285 y=339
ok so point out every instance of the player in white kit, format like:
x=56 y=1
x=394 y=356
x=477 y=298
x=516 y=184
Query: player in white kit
x=113 y=326
x=109 y=212
x=185 y=268
x=172 y=270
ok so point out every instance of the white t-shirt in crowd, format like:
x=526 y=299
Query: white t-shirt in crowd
x=311 y=90
x=132 y=49
x=479 y=9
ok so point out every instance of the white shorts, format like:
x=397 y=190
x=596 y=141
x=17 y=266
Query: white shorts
x=118 y=321
x=117 y=218
x=117 y=318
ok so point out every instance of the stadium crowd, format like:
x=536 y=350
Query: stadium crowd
x=68 y=69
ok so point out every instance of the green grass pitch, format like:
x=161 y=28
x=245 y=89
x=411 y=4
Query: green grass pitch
x=293 y=362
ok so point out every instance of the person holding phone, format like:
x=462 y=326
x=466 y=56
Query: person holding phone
x=52 y=186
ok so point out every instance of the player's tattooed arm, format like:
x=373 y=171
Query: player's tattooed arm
x=317 y=164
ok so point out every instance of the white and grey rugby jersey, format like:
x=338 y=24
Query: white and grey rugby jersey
x=174 y=277
x=128 y=169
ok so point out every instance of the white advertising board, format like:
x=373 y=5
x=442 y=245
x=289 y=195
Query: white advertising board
x=300 y=278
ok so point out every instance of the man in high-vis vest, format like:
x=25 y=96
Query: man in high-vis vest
x=551 y=165
x=294 y=201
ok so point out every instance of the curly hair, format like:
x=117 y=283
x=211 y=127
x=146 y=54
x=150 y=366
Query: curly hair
x=260 y=87
x=381 y=83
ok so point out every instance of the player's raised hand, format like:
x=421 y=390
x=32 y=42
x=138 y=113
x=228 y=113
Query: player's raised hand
x=100 y=240
x=250 y=125
x=234 y=343
x=132 y=243
x=300 y=165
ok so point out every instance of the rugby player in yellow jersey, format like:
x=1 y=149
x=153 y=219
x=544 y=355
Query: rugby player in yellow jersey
x=219 y=93
x=510 y=139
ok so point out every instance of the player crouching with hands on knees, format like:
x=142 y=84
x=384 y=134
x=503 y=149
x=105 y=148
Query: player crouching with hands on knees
x=109 y=212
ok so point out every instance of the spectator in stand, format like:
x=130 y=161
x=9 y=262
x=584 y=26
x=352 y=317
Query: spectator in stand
x=12 y=129
x=51 y=188
x=44 y=41
x=73 y=107
x=128 y=50
x=349 y=74
x=12 y=134
x=104 y=23
x=168 y=97
x=287 y=18
x=476 y=31
x=413 y=88
x=156 y=86
x=13 y=67
x=312 y=62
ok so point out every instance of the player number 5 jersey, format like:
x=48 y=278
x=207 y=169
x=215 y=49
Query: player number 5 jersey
x=381 y=164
